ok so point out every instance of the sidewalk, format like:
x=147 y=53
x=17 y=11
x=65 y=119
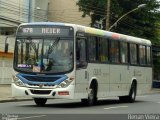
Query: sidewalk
x=6 y=96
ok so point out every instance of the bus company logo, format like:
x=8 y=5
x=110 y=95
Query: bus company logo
x=41 y=85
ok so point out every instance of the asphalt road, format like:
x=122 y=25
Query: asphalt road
x=147 y=104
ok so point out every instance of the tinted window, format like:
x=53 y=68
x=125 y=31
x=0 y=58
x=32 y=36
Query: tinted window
x=133 y=53
x=81 y=50
x=114 y=51
x=103 y=50
x=92 y=48
x=149 y=55
x=124 y=52
x=142 y=55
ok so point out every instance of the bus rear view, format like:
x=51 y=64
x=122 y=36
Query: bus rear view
x=43 y=62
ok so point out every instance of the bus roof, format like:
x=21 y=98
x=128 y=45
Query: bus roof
x=94 y=31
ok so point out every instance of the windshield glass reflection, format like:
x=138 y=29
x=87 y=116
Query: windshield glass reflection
x=44 y=55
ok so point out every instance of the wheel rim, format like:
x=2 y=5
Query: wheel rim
x=133 y=95
x=91 y=97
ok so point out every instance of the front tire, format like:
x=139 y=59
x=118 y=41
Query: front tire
x=92 y=99
x=40 y=101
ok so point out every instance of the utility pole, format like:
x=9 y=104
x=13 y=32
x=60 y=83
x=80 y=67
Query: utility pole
x=108 y=14
x=137 y=8
x=29 y=11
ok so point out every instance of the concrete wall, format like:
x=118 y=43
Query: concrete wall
x=39 y=10
x=66 y=11
x=5 y=70
x=6 y=60
x=10 y=40
x=13 y=12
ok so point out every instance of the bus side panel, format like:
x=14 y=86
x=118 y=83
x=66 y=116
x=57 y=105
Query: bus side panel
x=119 y=77
x=113 y=80
x=143 y=76
x=84 y=77
x=100 y=72
x=81 y=84
x=146 y=81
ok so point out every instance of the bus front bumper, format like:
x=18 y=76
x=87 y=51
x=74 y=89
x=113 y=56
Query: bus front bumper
x=67 y=93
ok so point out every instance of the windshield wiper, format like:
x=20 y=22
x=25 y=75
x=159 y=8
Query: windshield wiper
x=51 y=48
x=33 y=45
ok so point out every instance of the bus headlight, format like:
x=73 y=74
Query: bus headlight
x=17 y=81
x=65 y=83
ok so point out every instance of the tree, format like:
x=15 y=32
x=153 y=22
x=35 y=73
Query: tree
x=141 y=23
x=144 y=22
x=94 y=8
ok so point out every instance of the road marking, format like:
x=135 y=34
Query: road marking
x=31 y=117
x=115 y=107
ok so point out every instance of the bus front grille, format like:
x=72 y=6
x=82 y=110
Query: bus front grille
x=44 y=85
x=41 y=79
x=44 y=92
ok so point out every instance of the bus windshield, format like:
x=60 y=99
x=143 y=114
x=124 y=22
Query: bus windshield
x=43 y=55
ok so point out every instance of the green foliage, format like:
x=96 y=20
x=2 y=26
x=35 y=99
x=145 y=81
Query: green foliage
x=96 y=9
x=143 y=22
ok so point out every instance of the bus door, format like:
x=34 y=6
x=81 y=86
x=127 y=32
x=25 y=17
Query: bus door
x=81 y=65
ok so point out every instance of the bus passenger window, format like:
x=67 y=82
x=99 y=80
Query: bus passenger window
x=142 y=55
x=103 y=50
x=133 y=53
x=81 y=52
x=92 y=51
x=124 y=52
x=114 y=51
x=148 y=55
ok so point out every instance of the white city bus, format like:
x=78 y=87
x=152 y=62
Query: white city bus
x=58 y=60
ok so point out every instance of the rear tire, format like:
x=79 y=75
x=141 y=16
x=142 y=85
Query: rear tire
x=132 y=94
x=40 y=101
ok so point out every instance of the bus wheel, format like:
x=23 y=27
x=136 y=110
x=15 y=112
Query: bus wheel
x=40 y=101
x=91 y=97
x=132 y=94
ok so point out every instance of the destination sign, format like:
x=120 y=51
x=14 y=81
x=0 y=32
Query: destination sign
x=44 y=30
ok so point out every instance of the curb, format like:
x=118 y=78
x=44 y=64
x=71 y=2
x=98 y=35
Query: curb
x=155 y=90
x=15 y=100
